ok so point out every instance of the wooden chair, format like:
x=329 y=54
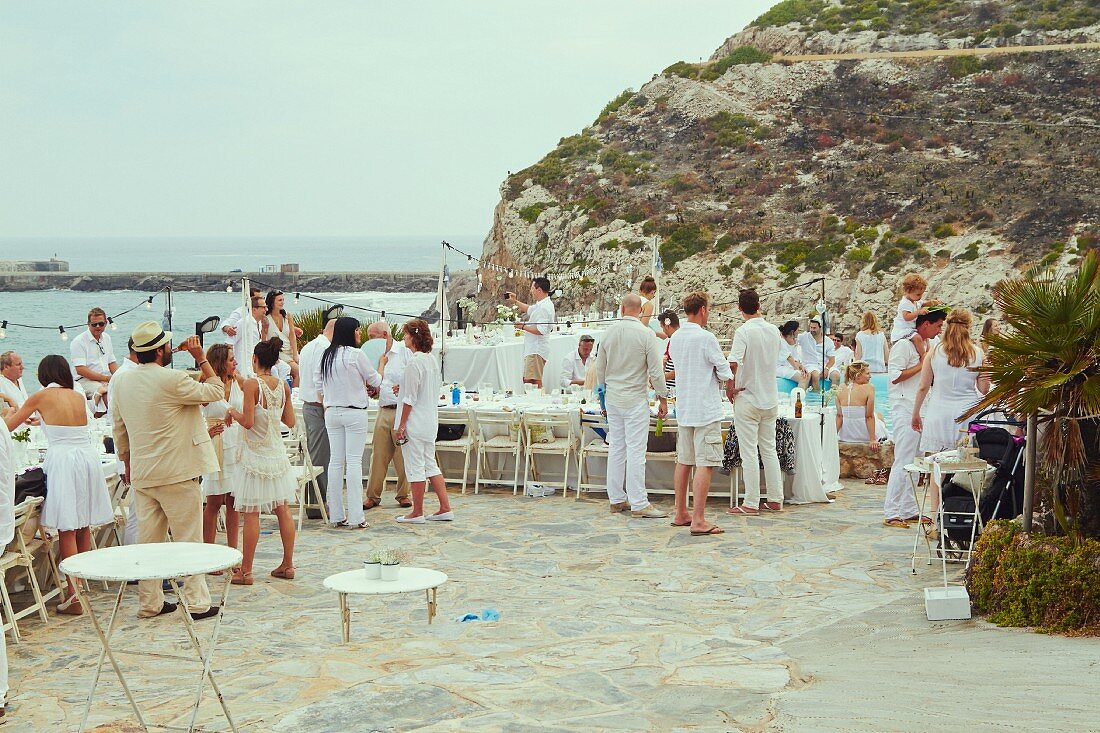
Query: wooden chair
x=464 y=445
x=498 y=432
x=668 y=456
x=590 y=446
x=540 y=431
x=19 y=555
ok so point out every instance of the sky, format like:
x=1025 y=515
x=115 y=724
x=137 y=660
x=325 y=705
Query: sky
x=190 y=118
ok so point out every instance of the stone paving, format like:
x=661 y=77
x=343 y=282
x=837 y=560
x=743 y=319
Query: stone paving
x=805 y=621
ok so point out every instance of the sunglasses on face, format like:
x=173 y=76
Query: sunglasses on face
x=98 y=324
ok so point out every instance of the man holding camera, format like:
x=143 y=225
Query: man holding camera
x=541 y=320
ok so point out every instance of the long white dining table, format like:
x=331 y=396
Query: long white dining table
x=500 y=365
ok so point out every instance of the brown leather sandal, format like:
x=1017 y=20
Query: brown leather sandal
x=240 y=578
x=285 y=573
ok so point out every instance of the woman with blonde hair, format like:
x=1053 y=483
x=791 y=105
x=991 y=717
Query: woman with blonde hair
x=991 y=327
x=871 y=344
x=952 y=364
x=856 y=420
x=217 y=487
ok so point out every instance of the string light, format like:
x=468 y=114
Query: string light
x=229 y=288
x=297 y=297
x=64 y=336
x=3 y=329
x=114 y=326
x=148 y=305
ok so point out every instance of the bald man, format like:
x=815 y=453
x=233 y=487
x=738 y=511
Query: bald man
x=384 y=448
x=629 y=360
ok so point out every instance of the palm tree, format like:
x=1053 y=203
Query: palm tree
x=1047 y=363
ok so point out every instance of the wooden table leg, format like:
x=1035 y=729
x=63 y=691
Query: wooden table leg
x=345 y=617
x=429 y=596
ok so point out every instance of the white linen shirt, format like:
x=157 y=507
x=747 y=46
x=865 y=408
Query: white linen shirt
x=903 y=355
x=346 y=384
x=540 y=315
x=756 y=349
x=573 y=368
x=15 y=390
x=308 y=360
x=86 y=351
x=397 y=358
x=629 y=361
x=420 y=388
x=842 y=358
x=700 y=371
x=815 y=355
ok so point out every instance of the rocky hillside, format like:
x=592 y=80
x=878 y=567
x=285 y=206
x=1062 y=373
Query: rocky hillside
x=752 y=170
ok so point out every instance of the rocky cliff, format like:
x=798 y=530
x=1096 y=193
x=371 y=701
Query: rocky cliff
x=752 y=169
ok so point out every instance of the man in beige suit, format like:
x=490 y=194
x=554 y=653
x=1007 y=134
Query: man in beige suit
x=161 y=436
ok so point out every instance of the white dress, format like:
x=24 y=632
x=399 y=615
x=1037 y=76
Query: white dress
x=263 y=478
x=284 y=334
x=873 y=346
x=954 y=392
x=76 y=492
x=216 y=484
x=783 y=367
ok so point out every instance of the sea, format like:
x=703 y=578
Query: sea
x=52 y=308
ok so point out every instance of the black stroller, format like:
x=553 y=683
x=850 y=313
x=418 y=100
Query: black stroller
x=1003 y=498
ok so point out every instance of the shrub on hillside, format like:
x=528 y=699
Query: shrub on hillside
x=684 y=241
x=614 y=106
x=530 y=214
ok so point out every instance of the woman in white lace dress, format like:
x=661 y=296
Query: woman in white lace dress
x=263 y=480
x=217 y=488
x=281 y=324
x=77 y=499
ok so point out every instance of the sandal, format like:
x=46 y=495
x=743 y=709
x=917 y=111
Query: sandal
x=743 y=511
x=70 y=606
x=241 y=578
x=371 y=504
x=286 y=573
x=926 y=521
x=895 y=522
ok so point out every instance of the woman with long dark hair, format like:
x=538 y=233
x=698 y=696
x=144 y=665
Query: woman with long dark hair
x=418 y=423
x=78 y=499
x=345 y=379
x=263 y=481
x=217 y=488
x=281 y=324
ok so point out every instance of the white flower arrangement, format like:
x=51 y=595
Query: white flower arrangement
x=467 y=304
x=388 y=556
x=507 y=314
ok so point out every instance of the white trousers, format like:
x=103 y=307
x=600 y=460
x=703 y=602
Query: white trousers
x=3 y=666
x=899 y=494
x=347 y=436
x=627 y=436
x=756 y=437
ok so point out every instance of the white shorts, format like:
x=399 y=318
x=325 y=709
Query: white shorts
x=419 y=458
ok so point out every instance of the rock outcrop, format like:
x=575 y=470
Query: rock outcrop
x=744 y=171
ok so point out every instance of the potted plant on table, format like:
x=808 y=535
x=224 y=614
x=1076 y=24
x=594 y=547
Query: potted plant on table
x=390 y=563
x=373 y=565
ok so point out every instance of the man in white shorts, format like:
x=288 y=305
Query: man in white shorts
x=541 y=320
x=702 y=371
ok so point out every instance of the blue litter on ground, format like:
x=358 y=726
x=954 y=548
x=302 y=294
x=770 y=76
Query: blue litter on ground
x=489 y=614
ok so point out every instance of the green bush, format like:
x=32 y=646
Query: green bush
x=683 y=182
x=684 y=241
x=888 y=259
x=591 y=202
x=724 y=242
x=824 y=256
x=757 y=251
x=610 y=244
x=906 y=244
x=633 y=245
x=792 y=254
x=683 y=69
x=615 y=160
x=1019 y=579
x=556 y=165
x=741 y=55
x=530 y=214
x=858 y=254
x=960 y=66
x=733 y=129
x=614 y=106
x=790 y=11
x=970 y=253
x=942 y=231
x=736 y=261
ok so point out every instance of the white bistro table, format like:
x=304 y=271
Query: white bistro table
x=409 y=580
x=169 y=560
x=975 y=478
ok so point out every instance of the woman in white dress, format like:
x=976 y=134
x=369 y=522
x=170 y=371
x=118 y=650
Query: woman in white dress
x=417 y=424
x=789 y=365
x=871 y=345
x=343 y=376
x=951 y=365
x=77 y=498
x=856 y=420
x=281 y=324
x=263 y=480
x=217 y=487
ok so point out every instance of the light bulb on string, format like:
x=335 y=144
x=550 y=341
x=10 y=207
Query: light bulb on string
x=114 y=326
x=821 y=306
x=64 y=336
x=297 y=297
x=229 y=288
x=148 y=305
x=3 y=329
x=511 y=273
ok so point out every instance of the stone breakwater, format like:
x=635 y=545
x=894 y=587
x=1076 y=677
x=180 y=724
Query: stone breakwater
x=386 y=282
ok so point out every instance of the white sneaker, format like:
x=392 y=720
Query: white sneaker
x=444 y=517
x=414 y=520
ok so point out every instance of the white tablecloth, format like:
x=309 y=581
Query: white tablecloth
x=501 y=365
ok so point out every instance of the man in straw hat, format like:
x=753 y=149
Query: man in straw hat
x=161 y=437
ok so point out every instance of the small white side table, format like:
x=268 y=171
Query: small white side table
x=409 y=580
x=169 y=560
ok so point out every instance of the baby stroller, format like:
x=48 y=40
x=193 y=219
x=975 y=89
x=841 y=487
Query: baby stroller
x=1002 y=492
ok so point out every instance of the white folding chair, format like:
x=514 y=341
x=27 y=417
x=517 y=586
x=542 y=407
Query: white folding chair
x=120 y=502
x=540 y=431
x=590 y=445
x=498 y=433
x=464 y=445
x=668 y=456
x=305 y=473
x=18 y=555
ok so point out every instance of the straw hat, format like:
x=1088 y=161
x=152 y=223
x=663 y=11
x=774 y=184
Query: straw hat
x=149 y=336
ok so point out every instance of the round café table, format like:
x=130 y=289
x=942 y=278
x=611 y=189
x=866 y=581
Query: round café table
x=409 y=580
x=169 y=560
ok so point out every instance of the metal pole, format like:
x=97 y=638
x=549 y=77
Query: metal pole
x=443 y=320
x=1031 y=454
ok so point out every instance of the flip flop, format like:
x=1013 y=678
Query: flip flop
x=678 y=524
x=742 y=511
x=713 y=530
x=895 y=522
